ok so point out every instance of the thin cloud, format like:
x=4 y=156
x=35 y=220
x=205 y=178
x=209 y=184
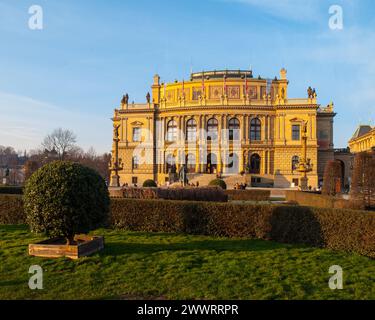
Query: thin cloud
x=296 y=10
x=25 y=121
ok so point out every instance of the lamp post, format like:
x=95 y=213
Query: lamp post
x=304 y=165
x=116 y=164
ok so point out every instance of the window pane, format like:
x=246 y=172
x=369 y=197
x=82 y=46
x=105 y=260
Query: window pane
x=255 y=129
x=296 y=132
x=191 y=130
x=136 y=134
x=172 y=131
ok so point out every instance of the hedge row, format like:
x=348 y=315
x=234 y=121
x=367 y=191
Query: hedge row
x=338 y=229
x=11 y=190
x=11 y=209
x=188 y=194
x=322 y=201
x=248 y=195
x=348 y=230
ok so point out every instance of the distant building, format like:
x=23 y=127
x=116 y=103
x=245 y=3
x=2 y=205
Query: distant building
x=223 y=123
x=363 y=139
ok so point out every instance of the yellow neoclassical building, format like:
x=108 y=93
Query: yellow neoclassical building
x=363 y=139
x=226 y=123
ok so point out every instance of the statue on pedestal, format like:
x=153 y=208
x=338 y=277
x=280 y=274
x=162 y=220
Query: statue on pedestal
x=183 y=175
x=125 y=99
x=310 y=93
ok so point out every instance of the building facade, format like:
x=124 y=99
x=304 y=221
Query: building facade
x=223 y=123
x=363 y=139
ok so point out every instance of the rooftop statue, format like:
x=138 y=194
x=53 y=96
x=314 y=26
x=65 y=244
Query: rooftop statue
x=310 y=92
x=125 y=99
x=148 y=97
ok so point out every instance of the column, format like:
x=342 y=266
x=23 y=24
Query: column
x=223 y=151
x=243 y=135
x=264 y=124
x=202 y=144
x=149 y=130
x=277 y=127
x=126 y=131
x=283 y=127
x=331 y=143
x=263 y=163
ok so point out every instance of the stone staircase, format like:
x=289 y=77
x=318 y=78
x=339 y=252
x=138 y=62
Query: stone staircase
x=203 y=179
x=231 y=180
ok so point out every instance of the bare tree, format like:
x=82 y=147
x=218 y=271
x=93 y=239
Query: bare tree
x=60 y=141
x=332 y=178
x=363 y=180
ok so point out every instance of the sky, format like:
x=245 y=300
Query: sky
x=73 y=73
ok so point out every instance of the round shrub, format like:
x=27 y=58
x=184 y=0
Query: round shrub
x=149 y=184
x=218 y=182
x=63 y=198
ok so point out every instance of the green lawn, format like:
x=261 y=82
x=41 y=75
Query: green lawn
x=170 y=266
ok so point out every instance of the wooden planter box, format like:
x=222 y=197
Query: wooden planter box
x=56 y=248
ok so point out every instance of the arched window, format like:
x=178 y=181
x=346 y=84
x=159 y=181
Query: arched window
x=135 y=163
x=212 y=129
x=190 y=162
x=295 y=162
x=255 y=163
x=234 y=129
x=191 y=130
x=255 y=129
x=172 y=131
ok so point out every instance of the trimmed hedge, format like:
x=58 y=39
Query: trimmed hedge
x=348 y=230
x=218 y=182
x=188 y=194
x=64 y=198
x=338 y=229
x=248 y=195
x=149 y=184
x=11 y=209
x=11 y=190
x=321 y=201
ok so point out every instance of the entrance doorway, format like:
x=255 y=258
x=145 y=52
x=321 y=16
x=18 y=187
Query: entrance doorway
x=211 y=163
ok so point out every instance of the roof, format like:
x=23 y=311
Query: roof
x=361 y=131
x=220 y=74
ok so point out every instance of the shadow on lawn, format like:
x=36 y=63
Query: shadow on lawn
x=119 y=248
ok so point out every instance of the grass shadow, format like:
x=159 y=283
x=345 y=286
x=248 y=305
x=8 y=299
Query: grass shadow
x=120 y=248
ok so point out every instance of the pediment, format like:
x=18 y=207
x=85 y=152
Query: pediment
x=137 y=123
x=296 y=120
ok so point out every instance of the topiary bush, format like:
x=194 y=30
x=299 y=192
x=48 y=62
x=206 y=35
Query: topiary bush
x=149 y=184
x=63 y=198
x=219 y=183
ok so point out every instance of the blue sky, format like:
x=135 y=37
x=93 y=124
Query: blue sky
x=73 y=73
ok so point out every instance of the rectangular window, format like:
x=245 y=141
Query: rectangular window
x=296 y=132
x=134 y=180
x=137 y=134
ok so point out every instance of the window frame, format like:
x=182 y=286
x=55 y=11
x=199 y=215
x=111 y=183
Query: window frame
x=294 y=138
x=137 y=137
x=255 y=129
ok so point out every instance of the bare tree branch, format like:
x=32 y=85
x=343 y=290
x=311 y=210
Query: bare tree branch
x=61 y=141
